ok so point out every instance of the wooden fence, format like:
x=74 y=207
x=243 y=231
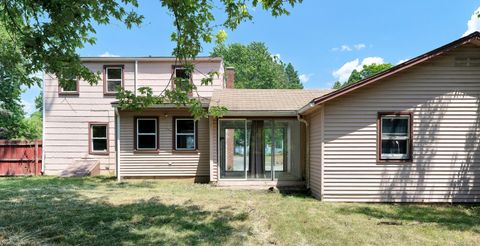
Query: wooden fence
x=20 y=157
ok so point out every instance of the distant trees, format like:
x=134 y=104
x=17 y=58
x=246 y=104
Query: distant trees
x=256 y=68
x=365 y=72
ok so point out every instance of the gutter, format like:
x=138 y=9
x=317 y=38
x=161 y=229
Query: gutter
x=135 y=72
x=305 y=108
x=43 y=124
x=117 y=140
x=307 y=150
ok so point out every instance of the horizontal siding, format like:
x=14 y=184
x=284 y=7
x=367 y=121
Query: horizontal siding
x=166 y=162
x=213 y=122
x=67 y=116
x=446 y=154
x=315 y=139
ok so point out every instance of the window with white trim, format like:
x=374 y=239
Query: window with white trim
x=185 y=130
x=395 y=138
x=182 y=78
x=113 y=78
x=147 y=134
x=98 y=138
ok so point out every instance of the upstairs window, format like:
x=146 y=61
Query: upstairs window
x=395 y=140
x=146 y=134
x=183 y=78
x=185 y=134
x=68 y=86
x=113 y=79
x=98 y=138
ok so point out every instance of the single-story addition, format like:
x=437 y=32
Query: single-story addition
x=408 y=134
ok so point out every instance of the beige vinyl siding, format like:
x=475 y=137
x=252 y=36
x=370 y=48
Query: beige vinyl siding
x=67 y=116
x=213 y=122
x=444 y=99
x=167 y=162
x=315 y=142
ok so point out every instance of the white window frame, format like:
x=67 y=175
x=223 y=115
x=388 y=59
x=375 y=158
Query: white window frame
x=186 y=134
x=147 y=134
x=107 y=80
x=390 y=136
x=92 y=138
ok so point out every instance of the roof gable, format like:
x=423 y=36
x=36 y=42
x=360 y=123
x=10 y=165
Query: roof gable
x=474 y=37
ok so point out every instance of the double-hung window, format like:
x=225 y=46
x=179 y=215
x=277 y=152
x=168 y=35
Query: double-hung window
x=395 y=140
x=98 y=133
x=183 y=78
x=185 y=134
x=113 y=78
x=146 y=134
x=68 y=86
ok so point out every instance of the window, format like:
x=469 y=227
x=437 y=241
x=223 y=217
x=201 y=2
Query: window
x=395 y=140
x=146 y=134
x=185 y=134
x=98 y=134
x=113 y=78
x=69 y=86
x=182 y=78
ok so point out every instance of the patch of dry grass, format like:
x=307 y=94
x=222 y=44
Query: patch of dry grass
x=100 y=211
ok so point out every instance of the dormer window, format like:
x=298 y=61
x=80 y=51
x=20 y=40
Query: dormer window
x=113 y=79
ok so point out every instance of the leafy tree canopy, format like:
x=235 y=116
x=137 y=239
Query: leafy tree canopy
x=256 y=68
x=46 y=34
x=367 y=71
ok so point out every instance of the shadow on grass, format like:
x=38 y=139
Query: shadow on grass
x=454 y=217
x=51 y=211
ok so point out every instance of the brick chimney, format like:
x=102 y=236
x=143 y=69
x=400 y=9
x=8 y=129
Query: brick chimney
x=230 y=77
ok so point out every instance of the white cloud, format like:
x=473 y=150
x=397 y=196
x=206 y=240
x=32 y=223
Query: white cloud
x=474 y=23
x=346 y=47
x=359 y=46
x=107 y=54
x=402 y=61
x=28 y=107
x=304 y=78
x=346 y=69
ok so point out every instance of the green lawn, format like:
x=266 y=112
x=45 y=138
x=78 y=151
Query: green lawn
x=100 y=211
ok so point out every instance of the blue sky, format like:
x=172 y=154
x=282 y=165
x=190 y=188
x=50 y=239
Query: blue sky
x=324 y=40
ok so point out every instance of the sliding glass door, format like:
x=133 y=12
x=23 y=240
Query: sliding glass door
x=259 y=149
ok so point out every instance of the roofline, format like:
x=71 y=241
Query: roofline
x=145 y=58
x=400 y=67
x=261 y=113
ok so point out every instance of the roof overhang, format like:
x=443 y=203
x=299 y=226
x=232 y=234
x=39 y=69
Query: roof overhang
x=146 y=59
x=261 y=113
x=473 y=38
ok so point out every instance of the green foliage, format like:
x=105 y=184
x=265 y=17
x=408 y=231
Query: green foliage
x=257 y=68
x=367 y=71
x=32 y=127
x=39 y=103
x=45 y=35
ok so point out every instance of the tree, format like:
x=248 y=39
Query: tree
x=365 y=72
x=46 y=35
x=256 y=68
x=293 y=79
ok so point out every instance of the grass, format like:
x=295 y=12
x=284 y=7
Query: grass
x=100 y=211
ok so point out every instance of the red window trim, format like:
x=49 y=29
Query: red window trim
x=135 y=135
x=90 y=146
x=108 y=93
x=61 y=92
x=174 y=67
x=174 y=134
x=379 y=137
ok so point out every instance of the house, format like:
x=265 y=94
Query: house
x=408 y=134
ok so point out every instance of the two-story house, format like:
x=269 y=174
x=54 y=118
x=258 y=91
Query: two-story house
x=409 y=134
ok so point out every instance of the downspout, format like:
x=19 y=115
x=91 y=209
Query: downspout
x=307 y=150
x=43 y=124
x=117 y=139
x=135 y=72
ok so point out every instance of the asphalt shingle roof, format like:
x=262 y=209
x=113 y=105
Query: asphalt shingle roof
x=264 y=99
